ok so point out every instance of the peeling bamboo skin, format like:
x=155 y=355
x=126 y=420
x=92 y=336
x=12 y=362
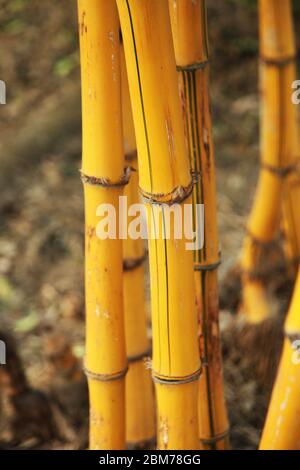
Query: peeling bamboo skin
x=103 y=158
x=164 y=176
x=277 y=148
x=189 y=29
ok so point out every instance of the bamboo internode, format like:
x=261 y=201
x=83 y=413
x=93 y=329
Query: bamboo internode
x=103 y=177
x=189 y=26
x=164 y=178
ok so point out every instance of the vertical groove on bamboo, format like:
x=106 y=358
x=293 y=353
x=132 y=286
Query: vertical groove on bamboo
x=140 y=406
x=103 y=178
x=282 y=430
x=277 y=54
x=189 y=26
x=164 y=180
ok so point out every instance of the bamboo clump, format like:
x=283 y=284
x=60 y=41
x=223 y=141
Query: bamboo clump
x=278 y=151
x=192 y=56
x=103 y=178
x=147 y=135
x=164 y=179
x=140 y=407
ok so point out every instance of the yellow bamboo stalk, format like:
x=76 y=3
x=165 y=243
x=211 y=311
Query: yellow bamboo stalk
x=291 y=191
x=189 y=26
x=164 y=180
x=277 y=52
x=103 y=177
x=282 y=430
x=140 y=407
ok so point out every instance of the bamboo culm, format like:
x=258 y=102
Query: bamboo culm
x=164 y=179
x=103 y=178
x=192 y=57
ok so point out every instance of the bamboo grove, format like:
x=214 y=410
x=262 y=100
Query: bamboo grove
x=147 y=136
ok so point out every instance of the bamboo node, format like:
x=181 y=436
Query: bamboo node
x=177 y=196
x=279 y=62
x=139 y=357
x=207 y=267
x=281 y=172
x=217 y=438
x=131 y=156
x=164 y=380
x=105 y=182
x=193 y=67
x=129 y=264
x=105 y=377
x=266 y=244
x=292 y=337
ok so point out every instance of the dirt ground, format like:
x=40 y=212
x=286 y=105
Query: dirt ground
x=41 y=218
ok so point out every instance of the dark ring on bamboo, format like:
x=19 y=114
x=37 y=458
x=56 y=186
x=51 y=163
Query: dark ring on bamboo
x=176 y=380
x=280 y=172
x=129 y=264
x=131 y=156
x=144 y=444
x=105 y=182
x=139 y=357
x=262 y=243
x=207 y=267
x=192 y=67
x=177 y=196
x=105 y=377
x=292 y=337
x=278 y=62
x=215 y=439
